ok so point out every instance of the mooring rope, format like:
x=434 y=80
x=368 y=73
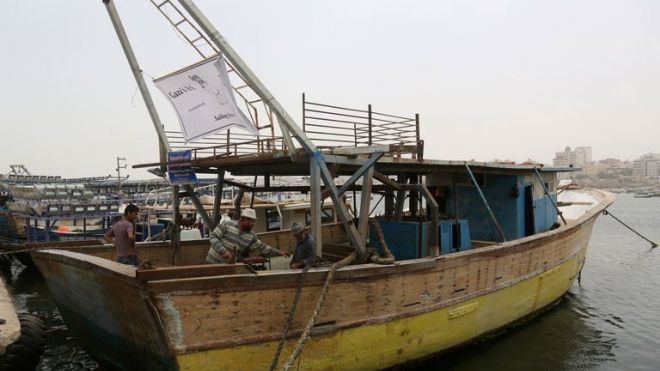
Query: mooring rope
x=292 y=313
x=607 y=212
x=297 y=350
x=389 y=257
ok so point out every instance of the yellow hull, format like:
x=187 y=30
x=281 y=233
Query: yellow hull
x=390 y=343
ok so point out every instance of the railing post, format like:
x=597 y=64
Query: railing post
x=303 y=110
x=369 y=117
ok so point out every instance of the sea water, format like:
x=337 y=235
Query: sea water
x=611 y=321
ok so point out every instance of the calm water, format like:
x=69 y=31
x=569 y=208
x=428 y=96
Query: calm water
x=610 y=322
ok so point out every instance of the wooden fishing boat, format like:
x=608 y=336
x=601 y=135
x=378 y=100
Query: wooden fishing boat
x=480 y=247
x=197 y=316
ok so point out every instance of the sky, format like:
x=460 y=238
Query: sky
x=490 y=79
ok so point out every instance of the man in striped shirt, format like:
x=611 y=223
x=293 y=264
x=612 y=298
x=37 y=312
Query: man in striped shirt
x=231 y=236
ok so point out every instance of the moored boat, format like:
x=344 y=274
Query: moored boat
x=197 y=316
x=480 y=246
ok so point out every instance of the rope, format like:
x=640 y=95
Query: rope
x=389 y=257
x=297 y=350
x=607 y=212
x=292 y=313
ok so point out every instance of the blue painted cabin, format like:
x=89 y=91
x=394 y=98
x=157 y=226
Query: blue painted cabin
x=517 y=200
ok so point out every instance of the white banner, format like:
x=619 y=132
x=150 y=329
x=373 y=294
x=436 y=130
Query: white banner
x=203 y=99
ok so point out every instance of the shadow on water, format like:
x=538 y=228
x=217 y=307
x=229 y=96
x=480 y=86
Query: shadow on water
x=608 y=323
x=31 y=295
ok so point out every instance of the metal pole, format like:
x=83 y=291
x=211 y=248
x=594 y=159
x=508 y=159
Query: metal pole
x=47 y=230
x=545 y=189
x=483 y=198
x=353 y=235
x=287 y=124
x=198 y=205
x=365 y=199
x=254 y=185
x=369 y=164
x=400 y=197
x=453 y=178
x=250 y=78
x=137 y=72
x=176 y=228
x=315 y=204
x=27 y=229
x=369 y=116
x=434 y=240
x=218 y=199
x=303 y=111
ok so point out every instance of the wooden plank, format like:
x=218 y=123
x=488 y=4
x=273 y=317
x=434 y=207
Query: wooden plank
x=192 y=271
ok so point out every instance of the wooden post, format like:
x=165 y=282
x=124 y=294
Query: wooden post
x=315 y=204
x=365 y=198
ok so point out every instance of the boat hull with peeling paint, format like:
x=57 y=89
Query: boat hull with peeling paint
x=199 y=317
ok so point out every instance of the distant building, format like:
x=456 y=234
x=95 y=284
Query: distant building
x=579 y=157
x=609 y=167
x=647 y=166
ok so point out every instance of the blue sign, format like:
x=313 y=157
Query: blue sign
x=179 y=168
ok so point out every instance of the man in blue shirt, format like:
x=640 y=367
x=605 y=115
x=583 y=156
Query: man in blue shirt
x=305 y=254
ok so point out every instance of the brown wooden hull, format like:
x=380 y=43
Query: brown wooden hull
x=374 y=317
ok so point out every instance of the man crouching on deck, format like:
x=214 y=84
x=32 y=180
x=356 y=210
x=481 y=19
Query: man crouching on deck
x=231 y=236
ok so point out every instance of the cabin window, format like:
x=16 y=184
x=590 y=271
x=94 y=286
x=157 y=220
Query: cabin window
x=327 y=216
x=273 y=220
